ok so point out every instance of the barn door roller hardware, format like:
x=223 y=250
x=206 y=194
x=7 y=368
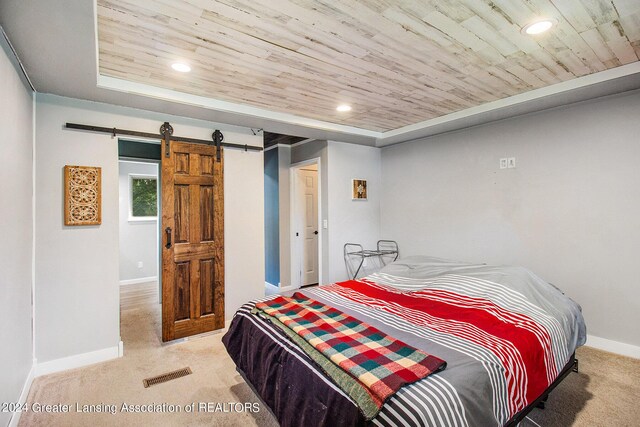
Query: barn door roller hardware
x=166 y=130
x=166 y=134
x=217 y=140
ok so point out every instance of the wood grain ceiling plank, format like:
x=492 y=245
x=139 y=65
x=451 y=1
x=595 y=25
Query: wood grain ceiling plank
x=509 y=78
x=601 y=11
x=594 y=39
x=519 y=13
x=525 y=43
x=382 y=63
x=546 y=76
x=636 y=47
x=366 y=82
x=230 y=83
x=572 y=62
x=211 y=35
x=456 y=31
x=270 y=34
x=616 y=38
x=126 y=27
x=323 y=57
x=623 y=50
x=417 y=26
x=490 y=13
x=553 y=64
x=397 y=62
x=395 y=39
x=484 y=31
x=576 y=14
x=457 y=65
x=631 y=25
x=565 y=35
x=320 y=29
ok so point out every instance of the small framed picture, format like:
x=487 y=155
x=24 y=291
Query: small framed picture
x=359 y=189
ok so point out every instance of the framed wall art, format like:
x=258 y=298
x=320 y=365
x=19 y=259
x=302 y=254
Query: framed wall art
x=359 y=189
x=82 y=195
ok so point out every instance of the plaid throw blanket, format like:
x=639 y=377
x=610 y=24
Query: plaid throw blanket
x=381 y=363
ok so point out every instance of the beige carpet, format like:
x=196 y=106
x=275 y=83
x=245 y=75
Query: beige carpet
x=214 y=379
x=604 y=393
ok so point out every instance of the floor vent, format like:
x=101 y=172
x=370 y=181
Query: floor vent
x=166 y=377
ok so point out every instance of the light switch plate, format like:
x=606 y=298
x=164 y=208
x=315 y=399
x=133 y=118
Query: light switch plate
x=503 y=163
x=511 y=162
x=324 y=223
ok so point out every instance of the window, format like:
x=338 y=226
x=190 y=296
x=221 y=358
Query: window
x=143 y=197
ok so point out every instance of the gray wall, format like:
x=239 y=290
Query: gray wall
x=77 y=267
x=348 y=220
x=138 y=239
x=569 y=211
x=352 y=221
x=16 y=229
x=271 y=218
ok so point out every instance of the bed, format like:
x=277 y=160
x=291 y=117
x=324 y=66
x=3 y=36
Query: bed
x=507 y=336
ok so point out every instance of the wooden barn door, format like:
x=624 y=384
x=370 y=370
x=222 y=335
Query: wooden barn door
x=192 y=241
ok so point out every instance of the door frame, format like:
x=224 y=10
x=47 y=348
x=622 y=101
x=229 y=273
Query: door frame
x=158 y=228
x=296 y=257
x=159 y=217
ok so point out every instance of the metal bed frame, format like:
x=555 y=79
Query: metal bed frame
x=571 y=366
x=362 y=253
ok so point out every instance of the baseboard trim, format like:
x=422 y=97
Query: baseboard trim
x=140 y=280
x=77 y=361
x=613 y=346
x=24 y=394
x=273 y=289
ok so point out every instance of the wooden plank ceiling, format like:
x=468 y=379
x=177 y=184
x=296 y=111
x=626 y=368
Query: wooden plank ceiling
x=396 y=62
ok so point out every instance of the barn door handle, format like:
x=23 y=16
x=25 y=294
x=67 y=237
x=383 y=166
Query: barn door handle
x=168 y=231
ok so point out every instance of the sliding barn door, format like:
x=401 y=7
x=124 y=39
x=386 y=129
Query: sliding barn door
x=193 y=241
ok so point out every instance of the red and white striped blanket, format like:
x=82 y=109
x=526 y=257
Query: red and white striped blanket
x=518 y=341
x=505 y=333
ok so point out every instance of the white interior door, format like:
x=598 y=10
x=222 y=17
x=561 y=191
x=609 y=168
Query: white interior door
x=308 y=225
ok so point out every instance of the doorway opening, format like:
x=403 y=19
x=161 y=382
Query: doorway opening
x=306 y=236
x=139 y=247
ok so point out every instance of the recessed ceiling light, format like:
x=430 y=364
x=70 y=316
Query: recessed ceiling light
x=344 y=107
x=181 y=67
x=538 y=27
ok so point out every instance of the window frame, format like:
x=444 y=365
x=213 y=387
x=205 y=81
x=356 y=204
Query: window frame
x=132 y=218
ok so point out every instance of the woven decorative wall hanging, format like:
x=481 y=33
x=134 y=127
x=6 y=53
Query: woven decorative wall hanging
x=82 y=194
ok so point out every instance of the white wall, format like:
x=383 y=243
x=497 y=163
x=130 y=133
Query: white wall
x=77 y=267
x=138 y=239
x=352 y=221
x=16 y=229
x=243 y=221
x=569 y=211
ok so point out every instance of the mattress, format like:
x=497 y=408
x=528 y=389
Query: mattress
x=505 y=334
